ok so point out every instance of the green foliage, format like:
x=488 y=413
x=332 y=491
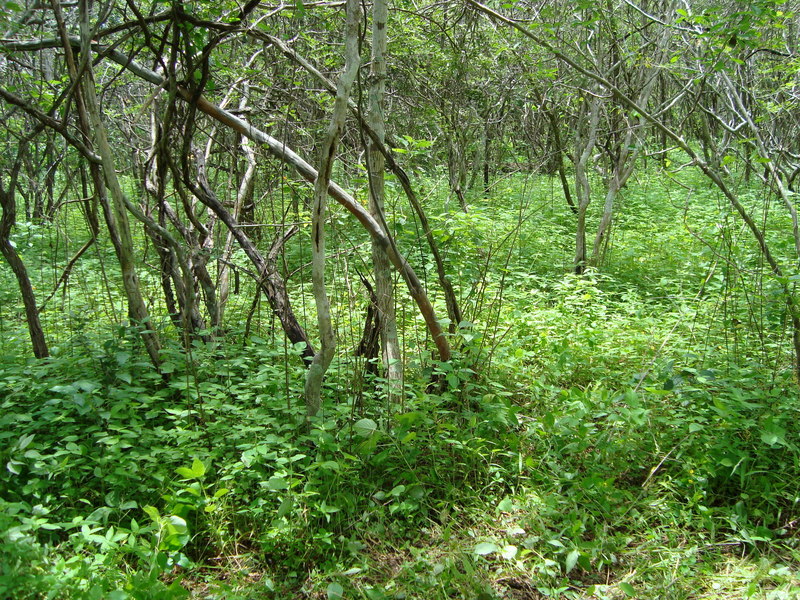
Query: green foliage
x=590 y=433
x=186 y=470
x=630 y=432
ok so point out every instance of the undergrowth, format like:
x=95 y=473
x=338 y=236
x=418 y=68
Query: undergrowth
x=120 y=484
x=631 y=432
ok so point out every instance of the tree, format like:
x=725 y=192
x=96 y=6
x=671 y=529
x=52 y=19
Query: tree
x=384 y=288
x=8 y=205
x=710 y=170
x=322 y=359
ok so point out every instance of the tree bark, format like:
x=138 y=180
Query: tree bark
x=275 y=147
x=585 y=141
x=7 y=220
x=453 y=310
x=327 y=345
x=558 y=150
x=102 y=167
x=117 y=216
x=243 y=195
x=270 y=280
x=384 y=289
x=713 y=174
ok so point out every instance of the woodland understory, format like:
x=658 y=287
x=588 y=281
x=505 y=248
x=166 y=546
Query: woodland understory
x=393 y=300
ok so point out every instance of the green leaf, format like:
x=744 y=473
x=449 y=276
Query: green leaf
x=506 y=505
x=198 y=468
x=572 y=560
x=509 y=551
x=365 y=428
x=167 y=367
x=276 y=483
x=335 y=591
x=152 y=512
x=629 y=590
x=285 y=507
x=25 y=441
x=486 y=548
x=185 y=472
x=769 y=438
x=196 y=472
x=179 y=523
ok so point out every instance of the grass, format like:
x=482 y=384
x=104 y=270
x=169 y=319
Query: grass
x=628 y=433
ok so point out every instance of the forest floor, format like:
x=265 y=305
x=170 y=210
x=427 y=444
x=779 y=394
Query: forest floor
x=629 y=433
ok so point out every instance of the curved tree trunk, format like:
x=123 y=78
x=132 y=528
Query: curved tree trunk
x=327 y=344
x=270 y=280
x=117 y=217
x=709 y=170
x=9 y=252
x=275 y=147
x=453 y=310
x=115 y=214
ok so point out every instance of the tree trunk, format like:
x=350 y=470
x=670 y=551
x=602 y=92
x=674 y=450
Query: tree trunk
x=629 y=149
x=243 y=195
x=92 y=128
x=275 y=147
x=270 y=280
x=457 y=167
x=322 y=359
x=384 y=288
x=713 y=174
x=558 y=156
x=117 y=216
x=453 y=310
x=584 y=143
x=7 y=221
x=623 y=168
